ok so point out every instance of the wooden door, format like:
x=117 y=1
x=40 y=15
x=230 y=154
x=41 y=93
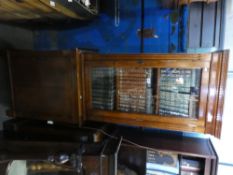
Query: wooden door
x=45 y=85
x=217 y=85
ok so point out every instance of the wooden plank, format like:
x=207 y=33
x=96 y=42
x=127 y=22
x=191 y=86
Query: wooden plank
x=79 y=89
x=44 y=85
x=213 y=91
x=31 y=9
x=150 y=124
x=221 y=93
x=147 y=117
x=18 y=10
x=163 y=141
x=204 y=92
x=103 y=58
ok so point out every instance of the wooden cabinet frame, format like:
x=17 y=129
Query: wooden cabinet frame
x=49 y=77
x=201 y=61
x=78 y=88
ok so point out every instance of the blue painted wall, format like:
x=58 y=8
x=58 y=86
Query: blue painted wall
x=165 y=21
x=104 y=34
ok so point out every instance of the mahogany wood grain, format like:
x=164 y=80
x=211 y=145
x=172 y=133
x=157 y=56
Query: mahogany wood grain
x=147 y=117
x=221 y=93
x=46 y=85
x=57 y=86
x=168 y=141
x=150 y=124
x=79 y=88
x=204 y=92
x=104 y=57
x=217 y=84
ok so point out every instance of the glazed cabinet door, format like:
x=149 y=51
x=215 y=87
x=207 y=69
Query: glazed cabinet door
x=160 y=91
x=45 y=85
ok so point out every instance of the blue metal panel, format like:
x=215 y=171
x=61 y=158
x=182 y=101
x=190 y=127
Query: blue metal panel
x=101 y=33
x=165 y=22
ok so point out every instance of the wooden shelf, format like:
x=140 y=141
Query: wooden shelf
x=33 y=10
x=182 y=2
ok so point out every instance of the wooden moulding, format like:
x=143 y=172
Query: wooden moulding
x=218 y=76
x=221 y=94
x=182 y=2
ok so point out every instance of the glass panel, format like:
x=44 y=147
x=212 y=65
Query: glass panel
x=134 y=93
x=179 y=92
x=103 y=88
x=167 y=92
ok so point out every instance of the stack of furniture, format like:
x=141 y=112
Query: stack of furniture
x=169 y=92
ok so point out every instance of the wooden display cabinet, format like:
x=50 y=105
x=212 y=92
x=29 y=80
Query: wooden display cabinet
x=46 y=85
x=177 y=92
x=181 y=92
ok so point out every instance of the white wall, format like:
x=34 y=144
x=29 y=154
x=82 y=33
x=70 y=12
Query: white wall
x=226 y=151
x=228 y=42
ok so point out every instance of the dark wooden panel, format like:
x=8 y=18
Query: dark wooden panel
x=218 y=24
x=96 y=158
x=4 y=80
x=221 y=93
x=169 y=141
x=133 y=158
x=208 y=26
x=195 y=25
x=44 y=85
x=205 y=28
